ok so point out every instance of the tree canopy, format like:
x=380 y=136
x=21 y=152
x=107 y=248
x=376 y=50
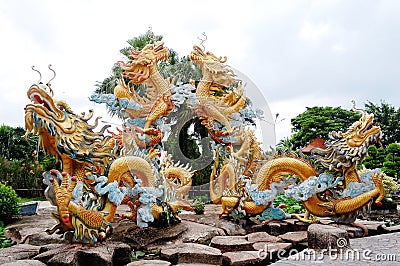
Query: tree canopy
x=318 y=122
x=182 y=137
x=388 y=118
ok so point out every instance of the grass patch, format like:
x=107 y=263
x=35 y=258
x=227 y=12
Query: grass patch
x=23 y=200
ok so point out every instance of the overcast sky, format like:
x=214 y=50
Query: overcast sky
x=298 y=53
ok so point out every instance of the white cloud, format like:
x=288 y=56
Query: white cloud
x=298 y=53
x=313 y=32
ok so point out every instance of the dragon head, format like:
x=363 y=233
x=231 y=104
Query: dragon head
x=144 y=62
x=213 y=67
x=345 y=150
x=60 y=130
x=363 y=132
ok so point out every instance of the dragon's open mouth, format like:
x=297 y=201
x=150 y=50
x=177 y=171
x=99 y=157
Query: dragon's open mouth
x=368 y=127
x=158 y=46
x=197 y=54
x=198 y=50
x=41 y=99
x=36 y=98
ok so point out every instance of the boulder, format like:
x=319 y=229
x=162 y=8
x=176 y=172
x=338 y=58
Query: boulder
x=139 y=238
x=231 y=243
x=18 y=252
x=374 y=227
x=352 y=230
x=31 y=229
x=294 y=237
x=262 y=237
x=200 y=233
x=391 y=229
x=277 y=228
x=149 y=263
x=101 y=254
x=271 y=248
x=24 y=263
x=191 y=253
x=327 y=237
x=242 y=258
x=210 y=217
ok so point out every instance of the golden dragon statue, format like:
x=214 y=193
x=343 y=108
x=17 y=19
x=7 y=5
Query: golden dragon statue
x=247 y=180
x=219 y=92
x=341 y=197
x=142 y=68
x=100 y=171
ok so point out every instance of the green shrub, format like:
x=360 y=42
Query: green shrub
x=198 y=205
x=9 y=203
x=290 y=205
x=4 y=241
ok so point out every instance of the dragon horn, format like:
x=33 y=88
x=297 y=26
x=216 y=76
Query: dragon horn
x=361 y=111
x=50 y=67
x=203 y=40
x=40 y=75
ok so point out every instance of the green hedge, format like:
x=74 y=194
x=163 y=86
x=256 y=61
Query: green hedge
x=9 y=203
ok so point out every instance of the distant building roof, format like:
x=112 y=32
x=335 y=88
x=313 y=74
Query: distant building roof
x=316 y=143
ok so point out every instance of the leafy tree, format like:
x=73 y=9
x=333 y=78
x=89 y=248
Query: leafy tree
x=188 y=130
x=21 y=165
x=376 y=157
x=13 y=144
x=187 y=144
x=136 y=43
x=318 y=122
x=388 y=119
x=391 y=166
x=180 y=68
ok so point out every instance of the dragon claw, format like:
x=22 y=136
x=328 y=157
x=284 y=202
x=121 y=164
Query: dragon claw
x=330 y=206
x=377 y=179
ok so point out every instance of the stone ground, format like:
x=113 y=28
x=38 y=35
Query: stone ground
x=197 y=240
x=374 y=250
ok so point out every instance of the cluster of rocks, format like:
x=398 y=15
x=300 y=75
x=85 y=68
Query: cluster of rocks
x=198 y=239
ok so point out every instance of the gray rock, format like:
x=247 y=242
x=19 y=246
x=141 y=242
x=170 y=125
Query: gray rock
x=241 y=258
x=196 y=264
x=31 y=229
x=322 y=236
x=391 y=229
x=200 y=233
x=210 y=217
x=149 y=263
x=352 y=230
x=262 y=237
x=374 y=227
x=271 y=247
x=18 y=252
x=140 y=238
x=25 y=263
x=277 y=228
x=231 y=243
x=192 y=253
x=294 y=237
x=101 y=254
